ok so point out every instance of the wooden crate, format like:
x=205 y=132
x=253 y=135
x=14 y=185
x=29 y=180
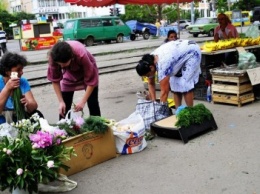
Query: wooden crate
x=233 y=99
x=232 y=89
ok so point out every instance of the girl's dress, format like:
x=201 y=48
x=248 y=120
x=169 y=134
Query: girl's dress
x=180 y=60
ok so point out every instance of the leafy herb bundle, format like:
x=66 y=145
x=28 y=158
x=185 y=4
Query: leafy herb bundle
x=96 y=124
x=193 y=115
x=18 y=107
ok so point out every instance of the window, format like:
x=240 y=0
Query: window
x=44 y=28
x=119 y=22
x=107 y=22
x=69 y=25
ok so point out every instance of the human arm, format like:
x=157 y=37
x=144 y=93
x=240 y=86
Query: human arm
x=216 y=37
x=165 y=87
x=10 y=85
x=62 y=106
x=80 y=105
x=29 y=102
x=151 y=87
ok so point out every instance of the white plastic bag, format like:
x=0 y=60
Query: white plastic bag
x=62 y=184
x=129 y=134
x=7 y=130
x=71 y=114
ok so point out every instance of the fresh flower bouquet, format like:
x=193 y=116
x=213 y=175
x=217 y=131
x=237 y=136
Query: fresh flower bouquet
x=34 y=157
x=79 y=124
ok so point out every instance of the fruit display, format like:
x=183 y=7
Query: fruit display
x=210 y=46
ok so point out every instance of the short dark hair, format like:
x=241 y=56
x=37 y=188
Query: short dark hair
x=171 y=32
x=143 y=67
x=10 y=60
x=61 y=52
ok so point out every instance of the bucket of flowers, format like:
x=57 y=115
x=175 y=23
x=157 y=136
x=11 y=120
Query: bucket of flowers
x=34 y=156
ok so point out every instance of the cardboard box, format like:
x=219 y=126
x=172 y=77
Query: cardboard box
x=91 y=149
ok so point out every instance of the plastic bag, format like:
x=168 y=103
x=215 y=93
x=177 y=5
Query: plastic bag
x=246 y=60
x=63 y=184
x=129 y=134
x=71 y=114
x=151 y=111
x=7 y=130
x=252 y=32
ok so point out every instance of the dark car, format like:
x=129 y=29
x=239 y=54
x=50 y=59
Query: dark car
x=143 y=29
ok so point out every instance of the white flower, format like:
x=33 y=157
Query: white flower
x=50 y=164
x=19 y=171
x=4 y=150
x=8 y=152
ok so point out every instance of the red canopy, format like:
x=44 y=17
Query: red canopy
x=101 y=3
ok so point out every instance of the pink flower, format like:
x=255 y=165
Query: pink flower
x=59 y=133
x=79 y=121
x=19 y=171
x=41 y=139
x=8 y=152
x=50 y=164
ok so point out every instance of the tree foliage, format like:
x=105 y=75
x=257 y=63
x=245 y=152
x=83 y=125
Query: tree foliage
x=246 y=4
x=142 y=13
x=6 y=18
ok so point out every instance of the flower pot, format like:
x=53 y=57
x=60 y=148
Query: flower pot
x=21 y=191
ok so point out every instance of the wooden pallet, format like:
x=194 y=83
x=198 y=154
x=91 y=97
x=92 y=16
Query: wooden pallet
x=235 y=89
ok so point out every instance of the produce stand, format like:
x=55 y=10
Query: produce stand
x=215 y=59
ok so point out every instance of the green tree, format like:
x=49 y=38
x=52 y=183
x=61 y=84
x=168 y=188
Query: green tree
x=141 y=13
x=246 y=4
x=222 y=6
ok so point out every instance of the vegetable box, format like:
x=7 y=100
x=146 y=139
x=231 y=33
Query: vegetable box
x=166 y=128
x=91 y=149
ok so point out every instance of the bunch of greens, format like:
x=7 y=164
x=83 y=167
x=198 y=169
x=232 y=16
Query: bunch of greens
x=96 y=124
x=193 y=115
x=18 y=107
x=79 y=125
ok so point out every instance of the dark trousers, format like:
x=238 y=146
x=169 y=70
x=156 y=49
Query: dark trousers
x=3 y=47
x=93 y=104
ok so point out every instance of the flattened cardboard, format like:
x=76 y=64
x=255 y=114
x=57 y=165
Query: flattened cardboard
x=91 y=149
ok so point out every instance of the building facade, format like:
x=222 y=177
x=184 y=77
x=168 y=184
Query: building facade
x=58 y=10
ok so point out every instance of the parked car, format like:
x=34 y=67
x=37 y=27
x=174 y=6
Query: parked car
x=141 y=29
x=94 y=29
x=183 y=23
x=203 y=26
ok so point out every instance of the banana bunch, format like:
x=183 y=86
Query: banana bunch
x=210 y=46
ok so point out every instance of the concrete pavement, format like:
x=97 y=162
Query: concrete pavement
x=225 y=161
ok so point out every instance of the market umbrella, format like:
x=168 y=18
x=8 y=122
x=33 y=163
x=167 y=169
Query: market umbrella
x=101 y=3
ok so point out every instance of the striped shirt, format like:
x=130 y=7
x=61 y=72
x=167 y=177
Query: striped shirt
x=2 y=36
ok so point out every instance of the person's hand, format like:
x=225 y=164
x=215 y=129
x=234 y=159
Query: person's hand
x=24 y=101
x=62 y=109
x=79 y=106
x=13 y=83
